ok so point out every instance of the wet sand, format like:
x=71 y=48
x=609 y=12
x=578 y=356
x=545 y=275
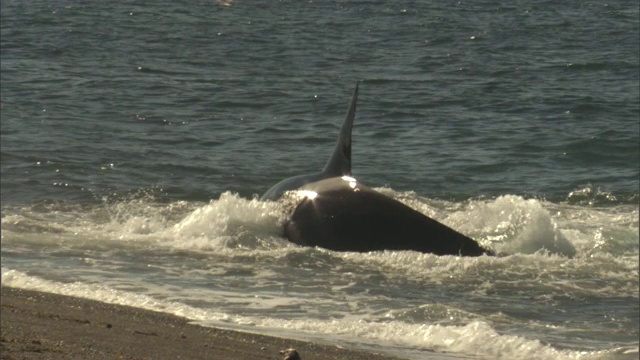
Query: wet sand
x=37 y=325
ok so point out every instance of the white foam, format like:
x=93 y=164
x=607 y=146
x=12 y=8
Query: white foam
x=228 y=221
x=509 y=224
x=105 y=294
x=232 y=226
x=514 y=225
x=476 y=338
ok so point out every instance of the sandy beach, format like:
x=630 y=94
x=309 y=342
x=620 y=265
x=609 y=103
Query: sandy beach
x=37 y=325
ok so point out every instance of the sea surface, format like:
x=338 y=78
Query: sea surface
x=136 y=138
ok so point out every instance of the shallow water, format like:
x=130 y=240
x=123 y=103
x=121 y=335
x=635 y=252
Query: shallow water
x=136 y=137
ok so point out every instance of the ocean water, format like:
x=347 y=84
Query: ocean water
x=136 y=138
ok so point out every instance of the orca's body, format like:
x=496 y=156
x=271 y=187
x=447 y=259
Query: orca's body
x=336 y=212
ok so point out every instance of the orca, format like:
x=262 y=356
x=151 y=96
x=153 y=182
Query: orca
x=339 y=163
x=333 y=210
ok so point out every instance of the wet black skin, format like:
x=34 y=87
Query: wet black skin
x=343 y=215
x=336 y=212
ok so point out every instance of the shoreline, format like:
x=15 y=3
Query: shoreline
x=39 y=325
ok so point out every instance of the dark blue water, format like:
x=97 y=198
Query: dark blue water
x=515 y=122
x=458 y=100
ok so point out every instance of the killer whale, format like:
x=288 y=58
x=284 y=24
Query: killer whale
x=339 y=163
x=333 y=210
